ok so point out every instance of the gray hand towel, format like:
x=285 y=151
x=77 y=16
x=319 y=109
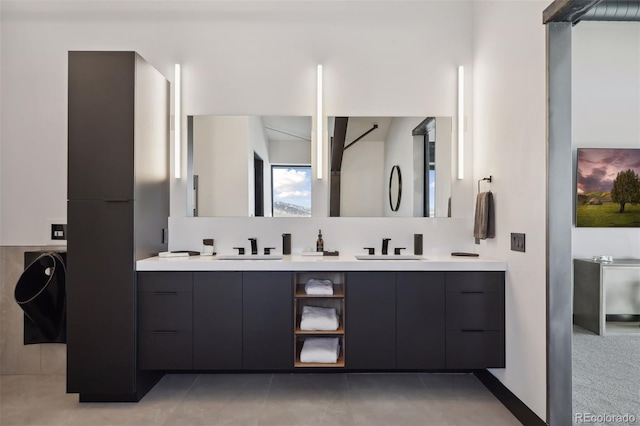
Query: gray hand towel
x=484 y=220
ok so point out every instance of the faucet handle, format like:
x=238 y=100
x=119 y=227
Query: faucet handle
x=267 y=250
x=240 y=250
x=397 y=250
x=371 y=250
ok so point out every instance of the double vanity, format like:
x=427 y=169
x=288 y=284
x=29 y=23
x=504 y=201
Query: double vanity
x=130 y=318
x=215 y=313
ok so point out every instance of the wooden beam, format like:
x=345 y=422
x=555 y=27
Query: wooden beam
x=567 y=10
x=337 y=143
x=337 y=149
x=334 y=201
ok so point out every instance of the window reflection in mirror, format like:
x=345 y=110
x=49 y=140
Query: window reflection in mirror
x=291 y=191
x=364 y=151
x=232 y=165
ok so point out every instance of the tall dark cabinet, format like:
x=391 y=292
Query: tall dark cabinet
x=118 y=207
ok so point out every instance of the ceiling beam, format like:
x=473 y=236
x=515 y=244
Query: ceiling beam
x=567 y=10
x=337 y=150
x=337 y=143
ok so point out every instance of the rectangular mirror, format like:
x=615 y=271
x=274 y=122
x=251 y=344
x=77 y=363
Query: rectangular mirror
x=261 y=166
x=390 y=166
x=249 y=166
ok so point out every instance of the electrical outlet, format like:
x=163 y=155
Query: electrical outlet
x=58 y=231
x=517 y=242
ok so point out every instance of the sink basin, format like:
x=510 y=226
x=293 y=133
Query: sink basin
x=389 y=257
x=251 y=257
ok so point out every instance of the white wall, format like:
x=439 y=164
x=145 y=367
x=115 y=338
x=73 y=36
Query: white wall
x=346 y=234
x=398 y=150
x=605 y=114
x=509 y=144
x=362 y=180
x=258 y=143
x=220 y=161
x=364 y=46
x=444 y=169
x=290 y=153
x=1 y=119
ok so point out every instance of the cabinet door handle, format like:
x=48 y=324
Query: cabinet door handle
x=165 y=331
x=165 y=293
x=473 y=330
x=472 y=292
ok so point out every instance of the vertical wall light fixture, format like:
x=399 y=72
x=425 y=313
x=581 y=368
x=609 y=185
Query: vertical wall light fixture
x=177 y=121
x=319 y=125
x=460 y=122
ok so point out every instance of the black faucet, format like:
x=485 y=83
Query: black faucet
x=254 y=245
x=385 y=245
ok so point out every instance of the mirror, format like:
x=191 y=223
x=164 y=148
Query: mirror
x=249 y=165
x=261 y=166
x=365 y=151
x=395 y=188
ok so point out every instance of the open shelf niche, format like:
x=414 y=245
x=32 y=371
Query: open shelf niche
x=336 y=300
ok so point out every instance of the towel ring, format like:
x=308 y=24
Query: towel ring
x=488 y=179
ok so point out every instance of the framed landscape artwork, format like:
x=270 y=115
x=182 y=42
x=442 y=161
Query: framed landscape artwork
x=608 y=187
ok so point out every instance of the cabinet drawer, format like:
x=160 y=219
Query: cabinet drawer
x=491 y=281
x=475 y=349
x=165 y=311
x=165 y=350
x=475 y=311
x=165 y=282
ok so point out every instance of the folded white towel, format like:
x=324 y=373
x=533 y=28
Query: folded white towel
x=320 y=349
x=314 y=318
x=316 y=286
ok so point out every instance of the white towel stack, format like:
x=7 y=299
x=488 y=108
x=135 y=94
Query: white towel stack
x=319 y=287
x=314 y=318
x=323 y=350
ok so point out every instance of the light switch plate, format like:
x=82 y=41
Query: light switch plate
x=517 y=242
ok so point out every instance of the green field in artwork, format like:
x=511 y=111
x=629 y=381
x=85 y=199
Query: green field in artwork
x=607 y=215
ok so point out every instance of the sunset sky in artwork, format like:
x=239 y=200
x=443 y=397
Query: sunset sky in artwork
x=597 y=168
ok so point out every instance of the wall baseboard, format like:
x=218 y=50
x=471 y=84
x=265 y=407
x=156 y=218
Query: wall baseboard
x=508 y=399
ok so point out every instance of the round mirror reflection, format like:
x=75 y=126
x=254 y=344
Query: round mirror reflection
x=395 y=188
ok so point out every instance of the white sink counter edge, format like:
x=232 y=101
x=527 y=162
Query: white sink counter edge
x=344 y=262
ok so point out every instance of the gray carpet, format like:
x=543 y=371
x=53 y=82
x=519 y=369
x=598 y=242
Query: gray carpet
x=606 y=375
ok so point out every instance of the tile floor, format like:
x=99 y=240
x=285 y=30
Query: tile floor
x=263 y=399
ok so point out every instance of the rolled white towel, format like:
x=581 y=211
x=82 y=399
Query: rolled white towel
x=323 y=350
x=314 y=318
x=318 y=286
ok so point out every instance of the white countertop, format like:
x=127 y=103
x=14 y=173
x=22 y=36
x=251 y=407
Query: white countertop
x=344 y=262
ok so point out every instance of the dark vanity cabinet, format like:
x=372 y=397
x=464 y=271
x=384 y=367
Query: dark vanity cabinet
x=420 y=320
x=118 y=208
x=405 y=320
x=371 y=320
x=165 y=325
x=267 y=325
x=217 y=320
x=475 y=320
